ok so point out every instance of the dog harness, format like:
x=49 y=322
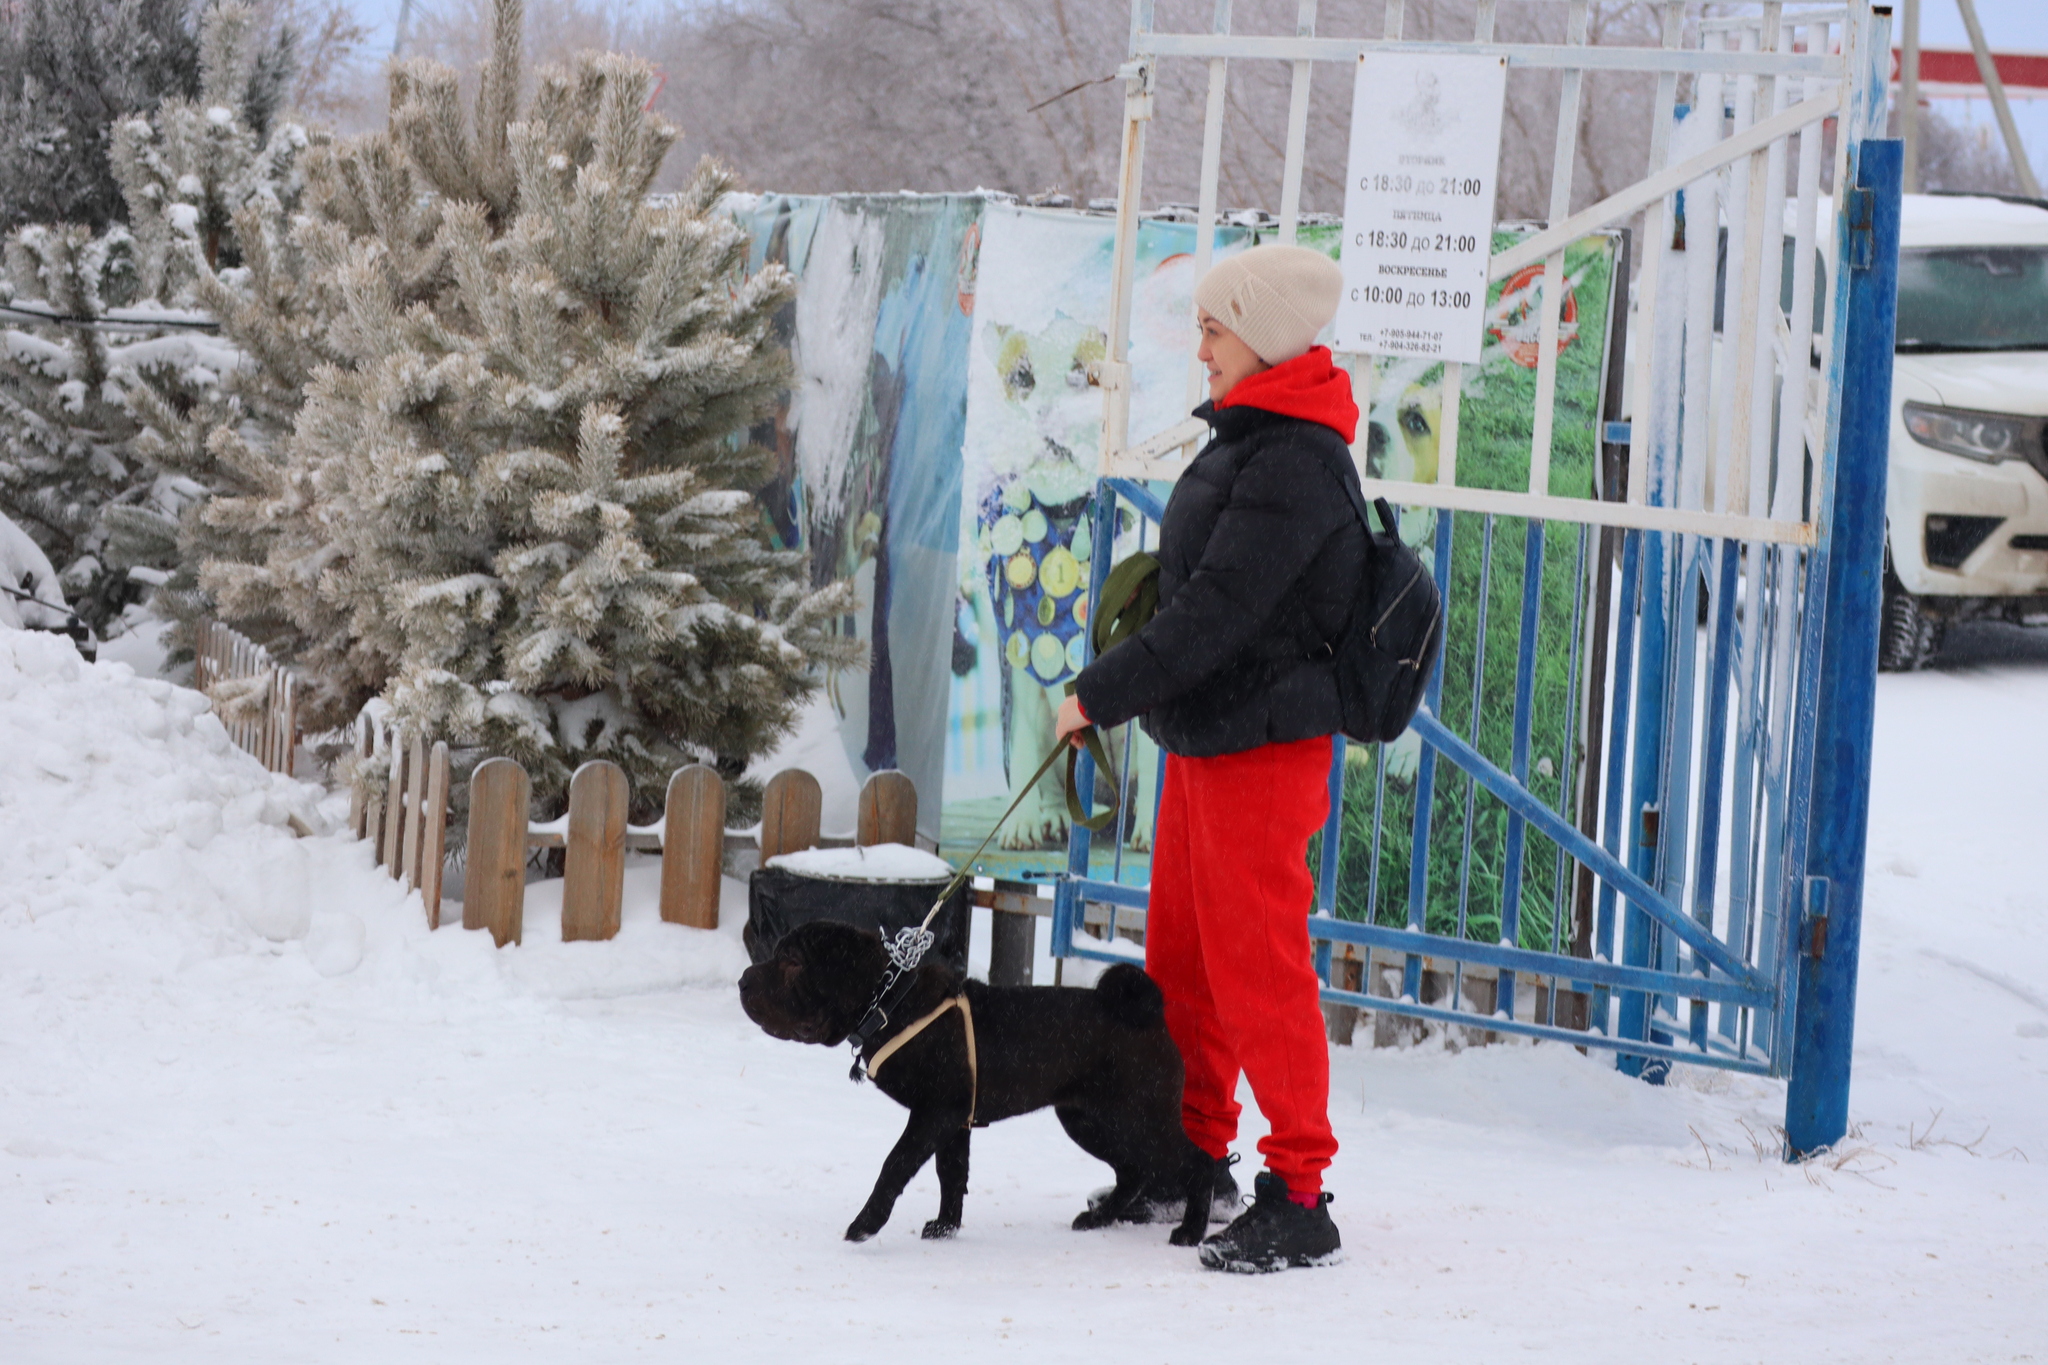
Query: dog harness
x=890 y=1048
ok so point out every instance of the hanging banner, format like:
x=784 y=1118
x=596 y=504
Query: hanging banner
x=867 y=460
x=1032 y=437
x=1418 y=203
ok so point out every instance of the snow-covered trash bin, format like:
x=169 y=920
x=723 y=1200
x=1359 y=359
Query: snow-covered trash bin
x=884 y=887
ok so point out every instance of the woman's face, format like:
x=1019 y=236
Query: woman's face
x=1229 y=360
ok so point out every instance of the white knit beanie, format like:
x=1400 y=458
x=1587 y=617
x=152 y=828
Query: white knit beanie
x=1276 y=298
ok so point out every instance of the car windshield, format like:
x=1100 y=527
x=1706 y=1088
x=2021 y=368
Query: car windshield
x=1974 y=298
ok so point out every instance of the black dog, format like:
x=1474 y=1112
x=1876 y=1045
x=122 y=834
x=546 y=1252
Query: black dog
x=1101 y=1058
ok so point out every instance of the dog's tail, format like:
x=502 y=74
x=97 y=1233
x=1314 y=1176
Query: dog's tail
x=1130 y=997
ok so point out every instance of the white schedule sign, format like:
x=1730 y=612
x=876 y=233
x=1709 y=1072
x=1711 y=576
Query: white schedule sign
x=1418 y=206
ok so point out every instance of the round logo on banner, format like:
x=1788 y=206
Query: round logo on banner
x=1517 y=323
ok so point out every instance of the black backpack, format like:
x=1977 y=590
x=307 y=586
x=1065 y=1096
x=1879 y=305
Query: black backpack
x=1388 y=648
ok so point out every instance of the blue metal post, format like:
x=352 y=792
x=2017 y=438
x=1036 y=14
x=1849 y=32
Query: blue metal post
x=1817 y=1101
x=1706 y=862
x=1612 y=822
x=1326 y=874
x=1425 y=780
x=1067 y=909
x=1650 y=721
x=1518 y=759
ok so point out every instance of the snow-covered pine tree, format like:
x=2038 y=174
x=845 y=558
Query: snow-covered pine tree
x=187 y=170
x=197 y=176
x=69 y=70
x=514 y=508
x=105 y=417
x=64 y=427
x=69 y=433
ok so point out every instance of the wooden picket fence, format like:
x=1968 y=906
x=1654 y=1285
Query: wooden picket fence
x=594 y=835
x=408 y=819
x=267 y=725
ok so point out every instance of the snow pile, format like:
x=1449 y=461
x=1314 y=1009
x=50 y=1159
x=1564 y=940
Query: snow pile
x=117 y=791
x=135 y=831
x=26 y=569
x=876 y=863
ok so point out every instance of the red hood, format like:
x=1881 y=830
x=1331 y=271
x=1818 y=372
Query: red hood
x=1309 y=387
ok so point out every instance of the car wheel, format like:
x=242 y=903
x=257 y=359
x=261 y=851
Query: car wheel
x=1909 y=635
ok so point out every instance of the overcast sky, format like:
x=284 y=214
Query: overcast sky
x=2009 y=25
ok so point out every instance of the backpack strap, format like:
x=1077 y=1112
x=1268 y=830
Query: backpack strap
x=1338 y=468
x=1388 y=521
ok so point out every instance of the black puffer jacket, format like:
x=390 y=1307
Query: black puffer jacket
x=1260 y=556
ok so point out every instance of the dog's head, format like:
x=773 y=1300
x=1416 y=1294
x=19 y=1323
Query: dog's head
x=817 y=985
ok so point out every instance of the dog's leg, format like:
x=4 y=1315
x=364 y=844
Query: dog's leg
x=952 y=1186
x=1130 y=1188
x=1101 y=1141
x=921 y=1137
x=1200 y=1183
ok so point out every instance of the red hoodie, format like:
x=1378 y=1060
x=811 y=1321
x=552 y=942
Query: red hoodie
x=1309 y=387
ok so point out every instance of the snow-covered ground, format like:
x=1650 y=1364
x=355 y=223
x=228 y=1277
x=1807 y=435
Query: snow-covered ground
x=252 y=1110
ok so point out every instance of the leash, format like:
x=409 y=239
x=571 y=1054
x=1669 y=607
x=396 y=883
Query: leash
x=910 y=945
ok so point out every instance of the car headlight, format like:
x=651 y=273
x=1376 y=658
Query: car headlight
x=1987 y=436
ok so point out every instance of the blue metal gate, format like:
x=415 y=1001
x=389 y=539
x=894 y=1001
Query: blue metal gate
x=1704 y=817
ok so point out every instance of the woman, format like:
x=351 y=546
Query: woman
x=1260 y=555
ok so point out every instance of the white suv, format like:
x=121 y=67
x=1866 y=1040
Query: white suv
x=1966 y=504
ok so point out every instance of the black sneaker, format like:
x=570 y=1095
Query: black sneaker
x=1274 y=1233
x=1164 y=1204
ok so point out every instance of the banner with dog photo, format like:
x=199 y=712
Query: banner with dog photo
x=1033 y=436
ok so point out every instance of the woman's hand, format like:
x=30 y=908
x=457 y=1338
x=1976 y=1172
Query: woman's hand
x=1071 y=721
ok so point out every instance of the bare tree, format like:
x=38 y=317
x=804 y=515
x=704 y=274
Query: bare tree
x=1961 y=157
x=877 y=95
x=334 y=82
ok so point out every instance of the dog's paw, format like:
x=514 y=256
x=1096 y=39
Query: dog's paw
x=1186 y=1237
x=1087 y=1220
x=938 y=1230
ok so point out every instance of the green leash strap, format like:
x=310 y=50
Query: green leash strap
x=1092 y=823
x=1130 y=598
x=1093 y=739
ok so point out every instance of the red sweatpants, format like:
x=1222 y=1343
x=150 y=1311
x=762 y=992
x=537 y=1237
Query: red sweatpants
x=1226 y=938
